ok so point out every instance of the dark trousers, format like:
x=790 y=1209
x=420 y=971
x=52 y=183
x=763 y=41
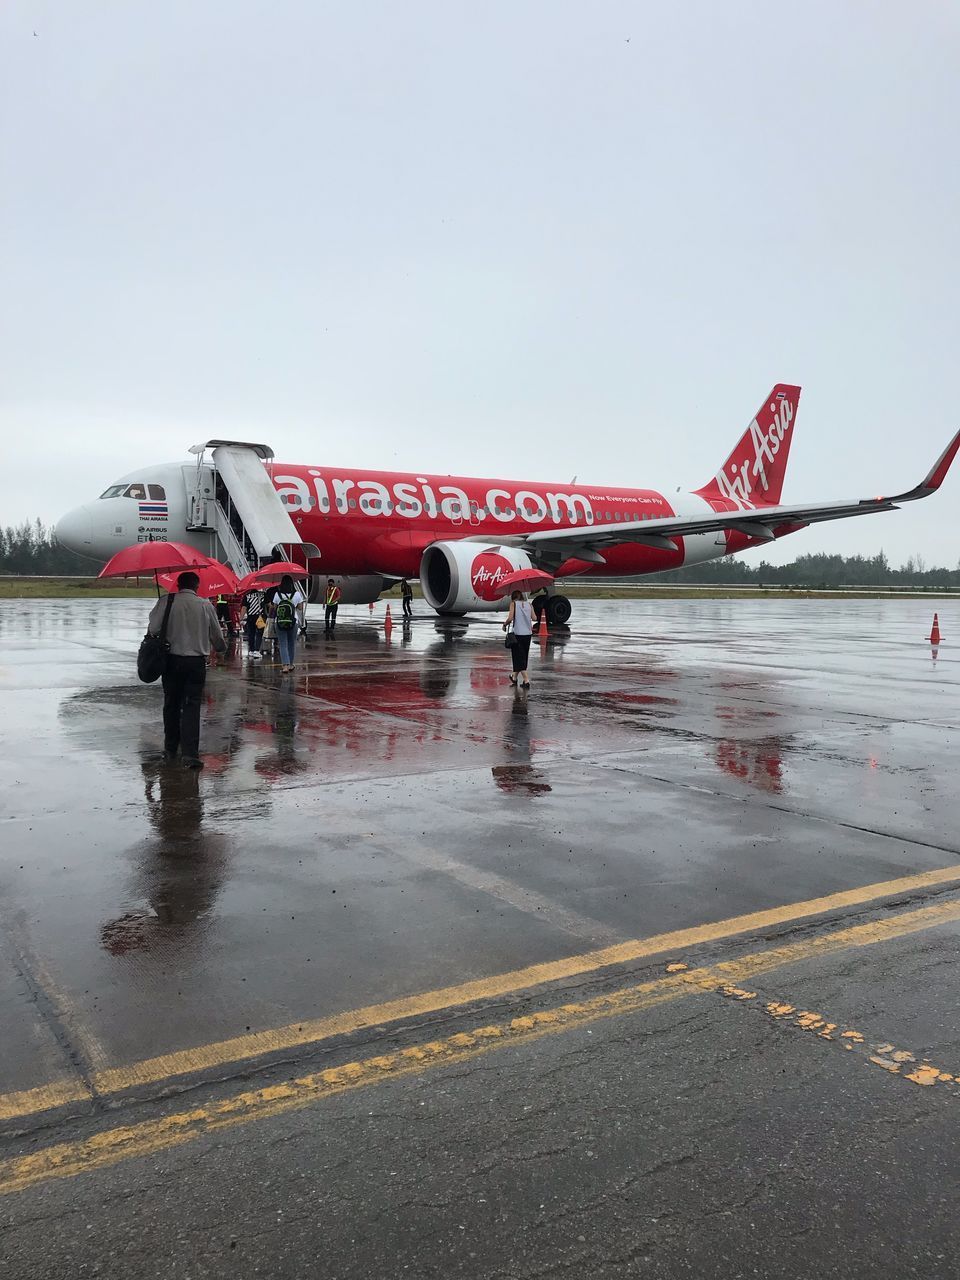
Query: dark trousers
x=182 y=694
x=254 y=635
x=330 y=617
x=408 y=606
x=521 y=653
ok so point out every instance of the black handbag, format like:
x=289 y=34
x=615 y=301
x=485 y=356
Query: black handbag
x=510 y=639
x=152 y=655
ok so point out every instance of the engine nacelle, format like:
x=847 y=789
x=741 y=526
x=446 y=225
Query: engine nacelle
x=462 y=577
x=355 y=588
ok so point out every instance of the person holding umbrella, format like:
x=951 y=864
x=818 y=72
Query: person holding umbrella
x=192 y=629
x=189 y=627
x=519 y=623
x=519 y=629
x=283 y=609
x=261 y=580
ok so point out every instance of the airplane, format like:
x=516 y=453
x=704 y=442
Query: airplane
x=460 y=535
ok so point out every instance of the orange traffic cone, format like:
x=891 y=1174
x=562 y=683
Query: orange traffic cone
x=371 y=606
x=388 y=621
x=544 y=629
x=935 y=630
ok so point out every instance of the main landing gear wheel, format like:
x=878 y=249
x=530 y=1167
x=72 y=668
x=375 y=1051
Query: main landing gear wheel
x=559 y=610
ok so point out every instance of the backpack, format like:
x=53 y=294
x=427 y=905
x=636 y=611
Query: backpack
x=286 y=614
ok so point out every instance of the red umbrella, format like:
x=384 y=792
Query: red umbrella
x=272 y=572
x=153 y=557
x=215 y=579
x=523 y=580
x=145 y=558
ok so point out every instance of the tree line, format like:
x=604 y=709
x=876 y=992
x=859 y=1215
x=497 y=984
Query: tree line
x=819 y=570
x=32 y=548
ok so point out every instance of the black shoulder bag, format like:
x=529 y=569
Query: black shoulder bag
x=152 y=656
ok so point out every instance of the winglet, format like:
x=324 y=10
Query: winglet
x=935 y=476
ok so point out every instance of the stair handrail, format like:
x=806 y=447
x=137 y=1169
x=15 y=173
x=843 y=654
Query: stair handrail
x=231 y=543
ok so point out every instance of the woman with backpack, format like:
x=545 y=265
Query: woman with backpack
x=283 y=610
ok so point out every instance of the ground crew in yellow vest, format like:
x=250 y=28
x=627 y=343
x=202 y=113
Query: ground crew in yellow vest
x=331 y=602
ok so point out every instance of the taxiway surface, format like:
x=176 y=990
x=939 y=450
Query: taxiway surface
x=648 y=971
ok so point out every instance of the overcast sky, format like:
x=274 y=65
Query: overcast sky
x=511 y=239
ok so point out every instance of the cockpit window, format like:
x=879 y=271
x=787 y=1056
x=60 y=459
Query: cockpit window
x=137 y=491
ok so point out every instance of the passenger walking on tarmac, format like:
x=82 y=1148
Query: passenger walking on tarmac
x=286 y=599
x=255 y=622
x=519 y=626
x=407 y=592
x=331 y=603
x=192 y=629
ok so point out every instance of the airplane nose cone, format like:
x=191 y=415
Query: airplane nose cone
x=75 y=531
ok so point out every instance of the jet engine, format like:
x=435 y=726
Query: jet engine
x=462 y=577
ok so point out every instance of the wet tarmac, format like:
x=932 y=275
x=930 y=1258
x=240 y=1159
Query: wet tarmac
x=391 y=848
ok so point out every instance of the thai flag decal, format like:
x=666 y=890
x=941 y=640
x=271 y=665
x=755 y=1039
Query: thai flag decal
x=152 y=509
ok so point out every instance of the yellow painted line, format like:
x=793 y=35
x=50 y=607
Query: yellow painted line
x=297 y=1035
x=43 y=1098
x=918 y=1069
x=124 y=1142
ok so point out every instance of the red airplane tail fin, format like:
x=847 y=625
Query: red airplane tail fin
x=753 y=474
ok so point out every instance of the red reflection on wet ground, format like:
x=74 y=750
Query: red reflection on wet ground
x=760 y=764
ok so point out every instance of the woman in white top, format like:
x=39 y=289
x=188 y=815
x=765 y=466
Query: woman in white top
x=520 y=623
x=286 y=601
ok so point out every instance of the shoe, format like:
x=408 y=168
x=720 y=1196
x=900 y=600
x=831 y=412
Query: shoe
x=525 y=685
x=513 y=679
x=192 y=762
x=169 y=756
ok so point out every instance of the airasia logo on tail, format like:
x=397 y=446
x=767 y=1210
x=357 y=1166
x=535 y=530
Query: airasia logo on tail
x=487 y=572
x=738 y=481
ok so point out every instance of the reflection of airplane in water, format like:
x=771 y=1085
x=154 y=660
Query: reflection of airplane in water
x=461 y=535
x=758 y=763
x=330 y=721
x=756 y=760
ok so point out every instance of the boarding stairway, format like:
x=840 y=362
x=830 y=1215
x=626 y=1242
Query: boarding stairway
x=231 y=498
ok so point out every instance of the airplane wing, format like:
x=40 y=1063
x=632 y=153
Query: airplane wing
x=586 y=542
